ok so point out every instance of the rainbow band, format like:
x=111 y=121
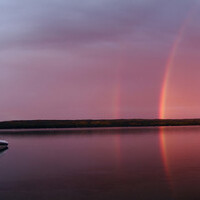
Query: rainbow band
x=169 y=66
x=162 y=109
x=164 y=93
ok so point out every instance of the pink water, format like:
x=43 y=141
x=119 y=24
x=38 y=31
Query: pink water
x=120 y=163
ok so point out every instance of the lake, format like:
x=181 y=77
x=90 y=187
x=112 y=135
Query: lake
x=101 y=164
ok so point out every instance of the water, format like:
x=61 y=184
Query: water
x=101 y=164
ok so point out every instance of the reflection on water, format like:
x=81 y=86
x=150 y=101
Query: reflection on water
x=180 y=153
x=125 y=163
x=3 y=150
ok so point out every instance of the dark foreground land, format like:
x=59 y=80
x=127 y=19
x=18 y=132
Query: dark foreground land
x=37 y=124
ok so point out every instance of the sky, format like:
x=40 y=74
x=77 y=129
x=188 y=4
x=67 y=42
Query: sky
x=99 y=59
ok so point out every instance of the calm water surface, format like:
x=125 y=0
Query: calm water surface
x=121 y=163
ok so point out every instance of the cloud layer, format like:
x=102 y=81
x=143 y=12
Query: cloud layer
x=73 y=59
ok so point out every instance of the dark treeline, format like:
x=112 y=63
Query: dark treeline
x=32 y=124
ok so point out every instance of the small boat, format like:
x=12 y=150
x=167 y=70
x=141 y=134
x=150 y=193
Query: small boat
x=3 y=145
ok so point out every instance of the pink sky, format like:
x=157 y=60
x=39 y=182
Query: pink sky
x=91 y=59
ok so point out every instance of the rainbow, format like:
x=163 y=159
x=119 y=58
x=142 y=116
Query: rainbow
x=116 y=97
x=164 y=93
x=117 y=101
x=169 y=66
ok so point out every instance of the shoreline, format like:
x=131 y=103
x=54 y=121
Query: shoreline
x=110 y=123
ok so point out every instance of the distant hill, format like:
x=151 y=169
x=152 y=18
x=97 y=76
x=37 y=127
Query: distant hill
x=36 y=124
